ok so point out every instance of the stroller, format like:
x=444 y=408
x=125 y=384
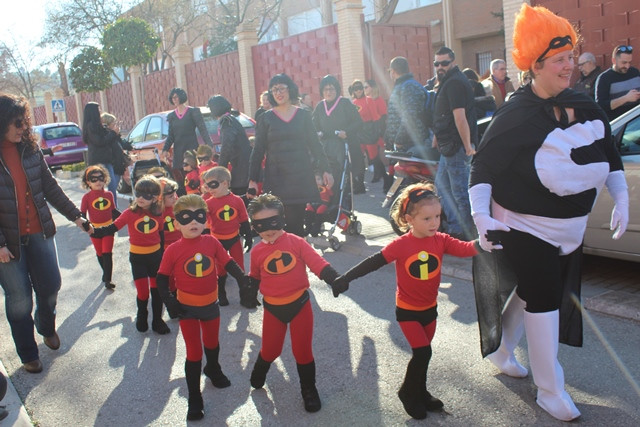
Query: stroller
x=341 y=214
x=145 y=160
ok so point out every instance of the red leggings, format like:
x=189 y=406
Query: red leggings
x=418 y=335
x=238 y=256
x=301 y=330
x=142 y=287
x=193 y=340
x=102 y=245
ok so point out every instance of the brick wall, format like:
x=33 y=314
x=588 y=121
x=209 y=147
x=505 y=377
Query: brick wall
x=305 y=57
x=212 y=76
x=120 y=101
x=71 y=109
x=157 y=86
x=40 y=115
x=388 y=41
x=89 y=97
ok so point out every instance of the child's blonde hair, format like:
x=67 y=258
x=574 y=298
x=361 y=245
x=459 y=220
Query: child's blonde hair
x=189 y=157
x=152 y=185
x=107 y=119
x=168 y=185
x=423 y=193
x=204 y=151
x=189 y=201
x=219 y=173
x=157 y=170
x=93 y=169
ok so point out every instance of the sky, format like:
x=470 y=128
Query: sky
x=22 y=21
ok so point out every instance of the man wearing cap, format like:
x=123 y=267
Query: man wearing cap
x=618 y=88
x=589 y=72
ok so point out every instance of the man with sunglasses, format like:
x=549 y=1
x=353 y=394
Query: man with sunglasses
x=618 y=88
x=589 y=72
x=455 y=129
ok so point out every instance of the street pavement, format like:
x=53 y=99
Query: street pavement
x=108 y=374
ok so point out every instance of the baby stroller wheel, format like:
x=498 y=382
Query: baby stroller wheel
x=334 y=243
x=355 y=228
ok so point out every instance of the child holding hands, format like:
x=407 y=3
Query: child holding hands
x=192 y=261
x=278 y=268
x=418 y=255
x=228 y=220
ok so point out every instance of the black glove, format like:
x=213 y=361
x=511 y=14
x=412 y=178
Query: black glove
x=174 y=308
x=249 y=292
x=101 y=232
x=245 y=230
x=339 y=286
x=86 y=225
x=193 y=184
x=115 y=213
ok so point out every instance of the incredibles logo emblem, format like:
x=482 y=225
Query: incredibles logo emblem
x=279 y=262
x=227 y=213
x=423 y=266
x=101 y=204
x=146 y=225
x=168 y=224
x=199 y=266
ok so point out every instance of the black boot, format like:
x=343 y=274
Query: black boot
x=358 y=184
x=196 y=405
x=157 y=324
x=431 y=403
x=107 y=270
x=259 y=373
x=141 y=317
x=410 y=392
x=213 y=370
x=387 y=183
x=222 y=292
x=308 y=387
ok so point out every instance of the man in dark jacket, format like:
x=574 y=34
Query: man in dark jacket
x=456 y=134
x=589 y=72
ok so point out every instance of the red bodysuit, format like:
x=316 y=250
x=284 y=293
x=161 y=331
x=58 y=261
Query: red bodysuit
x=226 y=213
x=98 y=206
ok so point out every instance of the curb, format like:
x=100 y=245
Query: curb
x=18 y=416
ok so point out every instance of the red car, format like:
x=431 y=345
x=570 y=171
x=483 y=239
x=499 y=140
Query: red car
x=66 y=135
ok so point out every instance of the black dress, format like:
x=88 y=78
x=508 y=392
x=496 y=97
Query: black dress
x=236 y=150
x=182 y=134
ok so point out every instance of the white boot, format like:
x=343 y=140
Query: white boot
x=542 y=339
x=512 y=329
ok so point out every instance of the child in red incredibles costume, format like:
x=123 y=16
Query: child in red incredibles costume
x=144 y=221
x=228 y=220
x=192 y=260
x=191 y=173
x=418 y=256
x=170 y=231
x=99 y=207
x=278 y=268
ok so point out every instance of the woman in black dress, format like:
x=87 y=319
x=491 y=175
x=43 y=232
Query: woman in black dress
x=286 y=136
x=235 y=148
x=183 y=122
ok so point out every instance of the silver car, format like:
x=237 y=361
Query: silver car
x=597 y=240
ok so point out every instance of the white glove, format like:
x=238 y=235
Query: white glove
x=485 y=223
x=617 y=186
x=480 y=199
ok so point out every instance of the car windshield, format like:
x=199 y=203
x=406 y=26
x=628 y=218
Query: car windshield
x=61 y=132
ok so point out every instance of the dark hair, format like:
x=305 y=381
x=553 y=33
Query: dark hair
x=471 y=74
x=263 y=202
x=400 y=65
x=91 y=123
x=11 y=108
x=218 y=105
x=149 y=184
x=330 y=80
x=284 y=80
x=352 y=88
x=182 y=95
x=446 y=51
x=371 y=82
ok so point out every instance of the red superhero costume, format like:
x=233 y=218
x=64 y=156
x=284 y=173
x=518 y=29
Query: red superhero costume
x=99 y=208
x=192 y=182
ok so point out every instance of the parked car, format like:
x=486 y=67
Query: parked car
x=149 y=135
x=67 y=135
x=597 y=240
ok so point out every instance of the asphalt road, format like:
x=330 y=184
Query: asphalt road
x=108 y=374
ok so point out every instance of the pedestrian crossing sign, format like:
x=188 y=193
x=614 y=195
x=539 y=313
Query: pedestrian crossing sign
x=57 y=105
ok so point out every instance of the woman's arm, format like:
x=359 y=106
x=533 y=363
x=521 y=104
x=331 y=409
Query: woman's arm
x=259 y=150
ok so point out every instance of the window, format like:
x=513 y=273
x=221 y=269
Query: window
x=630 y=143
x=61 y=132
x=483 y=60
x=305 y=21
x=154 y=130
x=137 y=134
x=404 y=5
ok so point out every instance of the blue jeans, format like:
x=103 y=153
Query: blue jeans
x=452 y=184
x=113 y=184
x=36 y=271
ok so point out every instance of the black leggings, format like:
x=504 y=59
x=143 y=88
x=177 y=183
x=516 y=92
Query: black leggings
x=294 y=218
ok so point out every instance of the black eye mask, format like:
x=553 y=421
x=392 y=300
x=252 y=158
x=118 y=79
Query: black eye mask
x=186 y=216
x=146 y=196
x=213 y=184
x=275 y=222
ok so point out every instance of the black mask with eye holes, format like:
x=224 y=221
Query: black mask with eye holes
x=186 y=216
x=275 y=222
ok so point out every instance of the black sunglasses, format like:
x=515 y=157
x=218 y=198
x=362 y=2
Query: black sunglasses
x=202 y=159
x=213 y=184
x=96 y=178
x=555 y=43
x=624 y=49
x=168 y=192
x=444 y=63
x=146 y=196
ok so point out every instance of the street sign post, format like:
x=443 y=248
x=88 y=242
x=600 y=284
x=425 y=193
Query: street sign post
x=57 y=105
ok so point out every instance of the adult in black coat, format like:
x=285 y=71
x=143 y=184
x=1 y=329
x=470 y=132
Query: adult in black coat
x=101 y=143
x=285 y=135
x=183 y=122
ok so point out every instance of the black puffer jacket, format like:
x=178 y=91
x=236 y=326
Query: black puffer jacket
x=235 y=150
x=100 y=146
x=44 y=188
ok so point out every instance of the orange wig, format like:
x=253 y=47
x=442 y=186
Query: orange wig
x=539 y=33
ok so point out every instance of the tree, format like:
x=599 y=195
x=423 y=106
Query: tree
x=128 y=42
x=89 y=71
x=19 y=75
x=388 y=11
